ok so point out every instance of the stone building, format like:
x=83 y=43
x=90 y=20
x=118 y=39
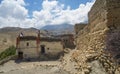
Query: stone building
x=29 y=47
x=50 y=46
x=67 y=40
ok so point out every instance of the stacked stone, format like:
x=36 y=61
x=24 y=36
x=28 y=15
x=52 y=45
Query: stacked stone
x=103 y=18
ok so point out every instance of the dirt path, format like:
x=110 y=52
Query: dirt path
x=45 y=67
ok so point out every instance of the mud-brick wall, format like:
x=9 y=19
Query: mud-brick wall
x=93 y=35
x=98 y=16
x=104 y=16
x=91 y=40
x=113 y=16
x=79 y=27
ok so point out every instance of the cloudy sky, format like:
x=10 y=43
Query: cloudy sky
x=38 y=13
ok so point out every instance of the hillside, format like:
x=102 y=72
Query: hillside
x=59 y=29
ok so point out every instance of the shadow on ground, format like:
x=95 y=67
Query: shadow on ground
x=43 y=57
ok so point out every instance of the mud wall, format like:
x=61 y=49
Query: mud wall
x=104 y=17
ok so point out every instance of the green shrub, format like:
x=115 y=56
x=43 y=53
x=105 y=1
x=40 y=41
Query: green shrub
x=8 y=52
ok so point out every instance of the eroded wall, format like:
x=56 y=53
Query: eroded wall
x=93 y=35
x=113 y=8
x=104 y=17
x=52 y=47
x=79 y=27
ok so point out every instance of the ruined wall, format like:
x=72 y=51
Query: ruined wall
x=104 y=17
x=79 y=27
x=113 y=16
x=98 y=16
x=53 y=50
x=52 y=47
x=29 y=50
x=92 y=36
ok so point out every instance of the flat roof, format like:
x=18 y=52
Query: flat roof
x=50 y=39
x=27 y=38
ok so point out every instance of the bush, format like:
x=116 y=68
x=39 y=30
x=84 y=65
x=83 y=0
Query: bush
x=8 y=52
x=113 y=44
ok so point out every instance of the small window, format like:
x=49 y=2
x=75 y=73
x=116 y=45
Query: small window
x=66 y=40
x=42 y=49
x=27 y=44
x=48 y=48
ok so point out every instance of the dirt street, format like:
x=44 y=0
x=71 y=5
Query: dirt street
x=44 y=67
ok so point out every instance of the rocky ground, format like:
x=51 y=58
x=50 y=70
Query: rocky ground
x=90 y=62
x=72 y=63
x=43 y=67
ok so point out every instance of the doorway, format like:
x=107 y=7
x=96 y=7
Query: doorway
x=20 y=55
x=42 y=49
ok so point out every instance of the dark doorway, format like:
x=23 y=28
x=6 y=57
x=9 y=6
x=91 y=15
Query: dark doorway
x=42 y=49
x=20 y=55
x=27 y=44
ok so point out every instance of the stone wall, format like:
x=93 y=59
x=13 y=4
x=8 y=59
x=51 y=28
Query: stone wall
x=52 y=50
x=104 y=17
x=90 y=56
x=113 y=16
x=29 y=49
x=98 y=16
x=79 y=27
x=93 y=35
x=52 y=47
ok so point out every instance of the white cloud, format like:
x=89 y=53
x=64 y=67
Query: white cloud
x=21 y=2
x=54 y=13
x=13 y=8
x=14 y=13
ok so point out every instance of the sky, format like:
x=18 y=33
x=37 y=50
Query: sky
x=39 y=13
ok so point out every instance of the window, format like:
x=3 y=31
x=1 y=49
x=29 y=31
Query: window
x=42 y=49
x=27 y=44
x=20 y=55
x=47 y=48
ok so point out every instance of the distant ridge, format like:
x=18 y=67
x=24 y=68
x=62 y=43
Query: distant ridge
x=12 y=29
x=59 y=29
x=26 y=31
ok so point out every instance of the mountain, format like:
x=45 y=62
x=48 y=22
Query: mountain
x=59 y=29
x=15 y=29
